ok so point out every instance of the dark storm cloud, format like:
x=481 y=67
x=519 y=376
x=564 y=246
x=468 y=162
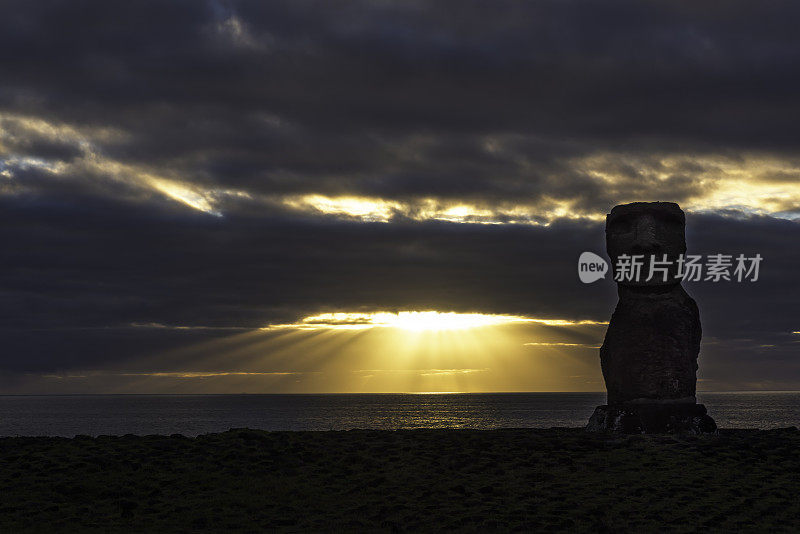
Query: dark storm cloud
x=399 y=98
x=487 y=102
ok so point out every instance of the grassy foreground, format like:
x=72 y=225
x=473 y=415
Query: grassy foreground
x=415 y=480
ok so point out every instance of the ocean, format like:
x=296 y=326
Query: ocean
x=191 y=415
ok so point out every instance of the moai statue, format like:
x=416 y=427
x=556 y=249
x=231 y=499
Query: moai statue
x=649 y=355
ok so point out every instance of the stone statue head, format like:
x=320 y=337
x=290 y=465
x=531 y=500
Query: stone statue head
x=647 y=229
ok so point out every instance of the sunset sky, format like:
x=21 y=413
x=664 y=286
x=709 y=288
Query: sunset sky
x=352 y=196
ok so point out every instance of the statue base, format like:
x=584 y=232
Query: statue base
x=646 y=418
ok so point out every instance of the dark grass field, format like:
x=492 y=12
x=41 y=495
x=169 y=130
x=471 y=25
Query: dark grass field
x=416 y=480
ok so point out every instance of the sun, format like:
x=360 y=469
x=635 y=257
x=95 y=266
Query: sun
x=422 y=321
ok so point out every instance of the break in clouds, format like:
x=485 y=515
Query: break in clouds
x=230 y=165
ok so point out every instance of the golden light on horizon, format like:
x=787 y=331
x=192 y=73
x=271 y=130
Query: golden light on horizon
x=418 y=321
x=369 y=352
x=434 y=321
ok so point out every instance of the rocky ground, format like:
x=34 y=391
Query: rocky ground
x=415 y=480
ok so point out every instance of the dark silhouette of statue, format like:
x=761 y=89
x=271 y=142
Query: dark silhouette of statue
x=649 y=355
